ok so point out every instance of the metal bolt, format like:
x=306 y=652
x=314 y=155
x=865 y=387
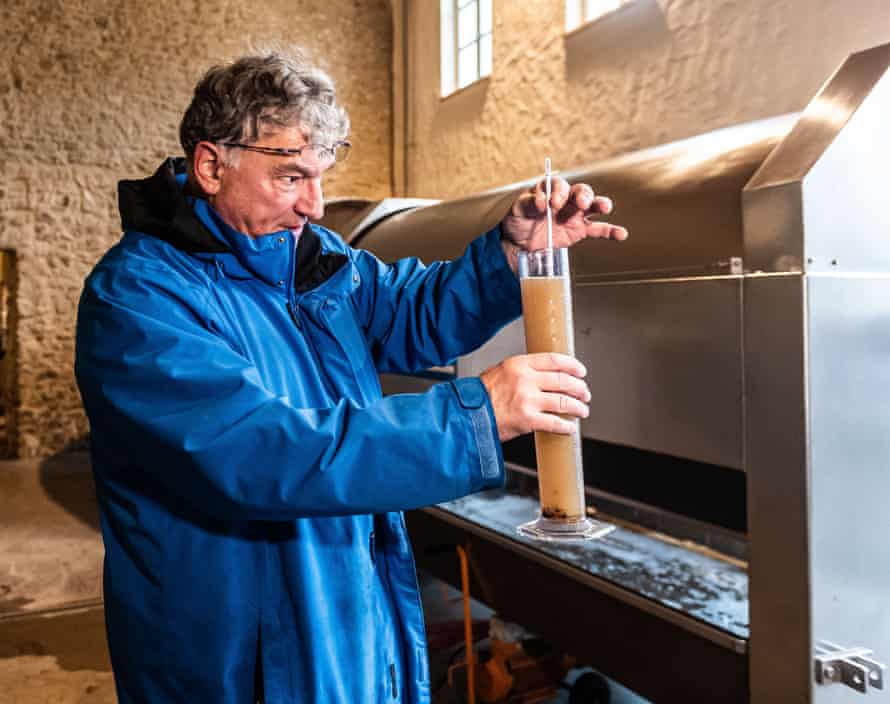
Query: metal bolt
x=834 y=262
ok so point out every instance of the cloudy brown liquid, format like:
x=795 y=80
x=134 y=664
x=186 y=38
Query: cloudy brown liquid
x=546 y=311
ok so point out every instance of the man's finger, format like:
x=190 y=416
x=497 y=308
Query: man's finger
x=605 y=230
x=559 y=194
x=582 y=199
x=583 y=196
x=556 y=362
x=552 y=423
x=564 y=405
x=524 y=206
x=600 y=205
x=540 y=197
x=565 y=384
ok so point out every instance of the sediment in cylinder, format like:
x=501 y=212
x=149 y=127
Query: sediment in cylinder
x=547 y=314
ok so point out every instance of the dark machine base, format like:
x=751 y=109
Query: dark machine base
x=659 y=659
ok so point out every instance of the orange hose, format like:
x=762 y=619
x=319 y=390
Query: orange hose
x=468 y=625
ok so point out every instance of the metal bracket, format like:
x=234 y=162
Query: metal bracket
x=849 y=666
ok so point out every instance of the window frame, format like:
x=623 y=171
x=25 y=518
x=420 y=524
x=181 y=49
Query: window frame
x=580 y=9
x=452 y=48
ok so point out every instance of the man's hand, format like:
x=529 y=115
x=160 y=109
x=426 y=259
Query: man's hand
x=528 y=391
x=525 y=226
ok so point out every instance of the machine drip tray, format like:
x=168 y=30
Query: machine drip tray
x=666 y=617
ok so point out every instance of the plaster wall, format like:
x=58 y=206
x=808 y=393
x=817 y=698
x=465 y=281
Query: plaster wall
x=654 y=72
x=91 y=91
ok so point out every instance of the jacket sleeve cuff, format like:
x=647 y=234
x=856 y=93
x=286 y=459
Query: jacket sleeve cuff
x=500 y=282
x=489 y=472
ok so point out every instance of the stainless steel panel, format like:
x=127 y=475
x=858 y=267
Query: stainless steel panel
x=846 y=219
x=823 y=118
x=680 y=201
x=509 y=341
x=816 y=421
x=778 y=489
x=774 y=229
x=663 y=360
x=849 y=403
x=664 y=365
x=836 y=159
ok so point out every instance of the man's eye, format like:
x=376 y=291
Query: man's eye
x=291 y=180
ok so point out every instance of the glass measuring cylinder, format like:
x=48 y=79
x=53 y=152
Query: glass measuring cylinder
x=547 y=314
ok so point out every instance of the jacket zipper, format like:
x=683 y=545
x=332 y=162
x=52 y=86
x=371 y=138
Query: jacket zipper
x=392 y=679
x=293 y=315
x=289 y=289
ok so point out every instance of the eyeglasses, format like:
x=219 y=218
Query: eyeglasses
x=312 y=154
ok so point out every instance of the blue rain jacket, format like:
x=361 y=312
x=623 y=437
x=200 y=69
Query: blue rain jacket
x=249 y=473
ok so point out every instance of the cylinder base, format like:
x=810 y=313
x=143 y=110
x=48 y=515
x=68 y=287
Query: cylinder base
x=548 y=530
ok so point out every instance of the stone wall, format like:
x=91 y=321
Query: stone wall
x=657 y=71
x=91 y=91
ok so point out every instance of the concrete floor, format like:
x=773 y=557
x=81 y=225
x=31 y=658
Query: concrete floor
x=50 y=547
x=59 y=658
x=52 y=634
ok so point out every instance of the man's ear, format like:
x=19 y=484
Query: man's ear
x=208 y=167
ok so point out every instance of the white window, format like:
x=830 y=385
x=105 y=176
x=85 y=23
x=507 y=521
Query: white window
x=580 y=12
x=466 y=42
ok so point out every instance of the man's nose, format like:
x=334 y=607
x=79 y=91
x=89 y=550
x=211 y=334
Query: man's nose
x=311 y=199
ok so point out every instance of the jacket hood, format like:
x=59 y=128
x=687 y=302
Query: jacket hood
x=158 y=206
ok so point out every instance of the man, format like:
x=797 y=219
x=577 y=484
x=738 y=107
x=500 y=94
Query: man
x=250 y=476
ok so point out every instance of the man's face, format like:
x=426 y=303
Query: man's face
x=268 y=193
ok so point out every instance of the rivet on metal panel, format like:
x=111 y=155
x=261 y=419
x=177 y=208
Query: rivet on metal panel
x=834 y=262
x=735 y=265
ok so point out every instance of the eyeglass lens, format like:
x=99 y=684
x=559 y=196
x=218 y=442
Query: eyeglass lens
x=323 y=154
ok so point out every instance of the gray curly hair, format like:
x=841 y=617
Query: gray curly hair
x=269 y=90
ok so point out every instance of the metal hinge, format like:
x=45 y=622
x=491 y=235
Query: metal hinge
x=849 y=666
